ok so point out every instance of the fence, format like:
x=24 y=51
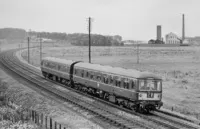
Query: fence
x=29 y=115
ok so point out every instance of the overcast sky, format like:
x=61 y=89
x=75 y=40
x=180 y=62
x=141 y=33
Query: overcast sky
x=132 y=19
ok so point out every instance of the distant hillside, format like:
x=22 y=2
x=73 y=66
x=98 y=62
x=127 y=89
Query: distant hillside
x=12 y=33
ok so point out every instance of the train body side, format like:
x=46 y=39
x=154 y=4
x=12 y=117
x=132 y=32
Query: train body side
x=102 y=81
x=118 y=85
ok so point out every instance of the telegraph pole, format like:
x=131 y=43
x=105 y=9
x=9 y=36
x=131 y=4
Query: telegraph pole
x=40 y=49
x=28 y=50
x=183 y=27
x=89 y=29
x=138 y=53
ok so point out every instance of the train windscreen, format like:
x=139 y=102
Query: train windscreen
x=150 y=85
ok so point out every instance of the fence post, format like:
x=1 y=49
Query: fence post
x=60 y=126
x=35 y=117
x=42 y=119
x=46 y=121
x=55 y=125
x=64 y=127
x=50 y=123
x=32 y=115
x=22 y=118
x=38 y=119
x=27 y=114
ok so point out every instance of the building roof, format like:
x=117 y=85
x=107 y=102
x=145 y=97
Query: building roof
x=171 y=33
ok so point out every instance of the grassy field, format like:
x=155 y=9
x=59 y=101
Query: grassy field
x=178 y=66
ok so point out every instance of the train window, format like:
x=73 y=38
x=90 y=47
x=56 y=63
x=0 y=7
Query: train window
x=105 y=79
x=52 y=65
x=78 y=72
x=87 y=74
x=132 y=84
x=62 y=68
x=45 y=63
x=99 y=78
x=58 y=67
x=55 y=66
x=91 y=76
x=126 y=83
x=118 y=83
x=111 y=79
x=82 y=73
x=49 y=64
x=94 y=77
x=75 y=71
x=65 y=68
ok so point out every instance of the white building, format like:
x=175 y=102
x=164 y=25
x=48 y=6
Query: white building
x=172 y=38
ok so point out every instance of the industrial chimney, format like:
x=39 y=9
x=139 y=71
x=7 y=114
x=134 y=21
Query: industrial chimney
x=159 y=37
x=183 y=29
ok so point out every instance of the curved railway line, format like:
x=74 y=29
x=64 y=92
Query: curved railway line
x=126 y=119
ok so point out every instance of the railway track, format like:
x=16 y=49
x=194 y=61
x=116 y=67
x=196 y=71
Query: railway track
x=95 y=110
x=121 y=121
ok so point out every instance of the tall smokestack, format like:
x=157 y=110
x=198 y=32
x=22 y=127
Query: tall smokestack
x=183 y=29
x=159 y=32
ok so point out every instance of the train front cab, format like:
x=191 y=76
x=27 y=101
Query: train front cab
x=149 y=93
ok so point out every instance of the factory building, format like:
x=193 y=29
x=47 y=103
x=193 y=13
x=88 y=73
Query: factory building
x=172 y=38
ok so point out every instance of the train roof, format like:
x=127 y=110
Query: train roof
x=105 y=68
x=117 y=70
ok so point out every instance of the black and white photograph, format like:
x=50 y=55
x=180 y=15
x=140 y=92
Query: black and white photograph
x=99 y=64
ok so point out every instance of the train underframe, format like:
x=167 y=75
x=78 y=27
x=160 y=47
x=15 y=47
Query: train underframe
x=139 y=106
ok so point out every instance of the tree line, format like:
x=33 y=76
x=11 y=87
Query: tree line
x=81 y=39
x=12 y=33
x=78 y=39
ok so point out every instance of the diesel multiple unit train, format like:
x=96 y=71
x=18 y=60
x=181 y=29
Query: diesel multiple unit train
x=140 y=91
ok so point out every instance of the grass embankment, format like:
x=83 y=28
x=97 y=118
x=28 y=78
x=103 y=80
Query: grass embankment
x=10 y=115
x=21 y=93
